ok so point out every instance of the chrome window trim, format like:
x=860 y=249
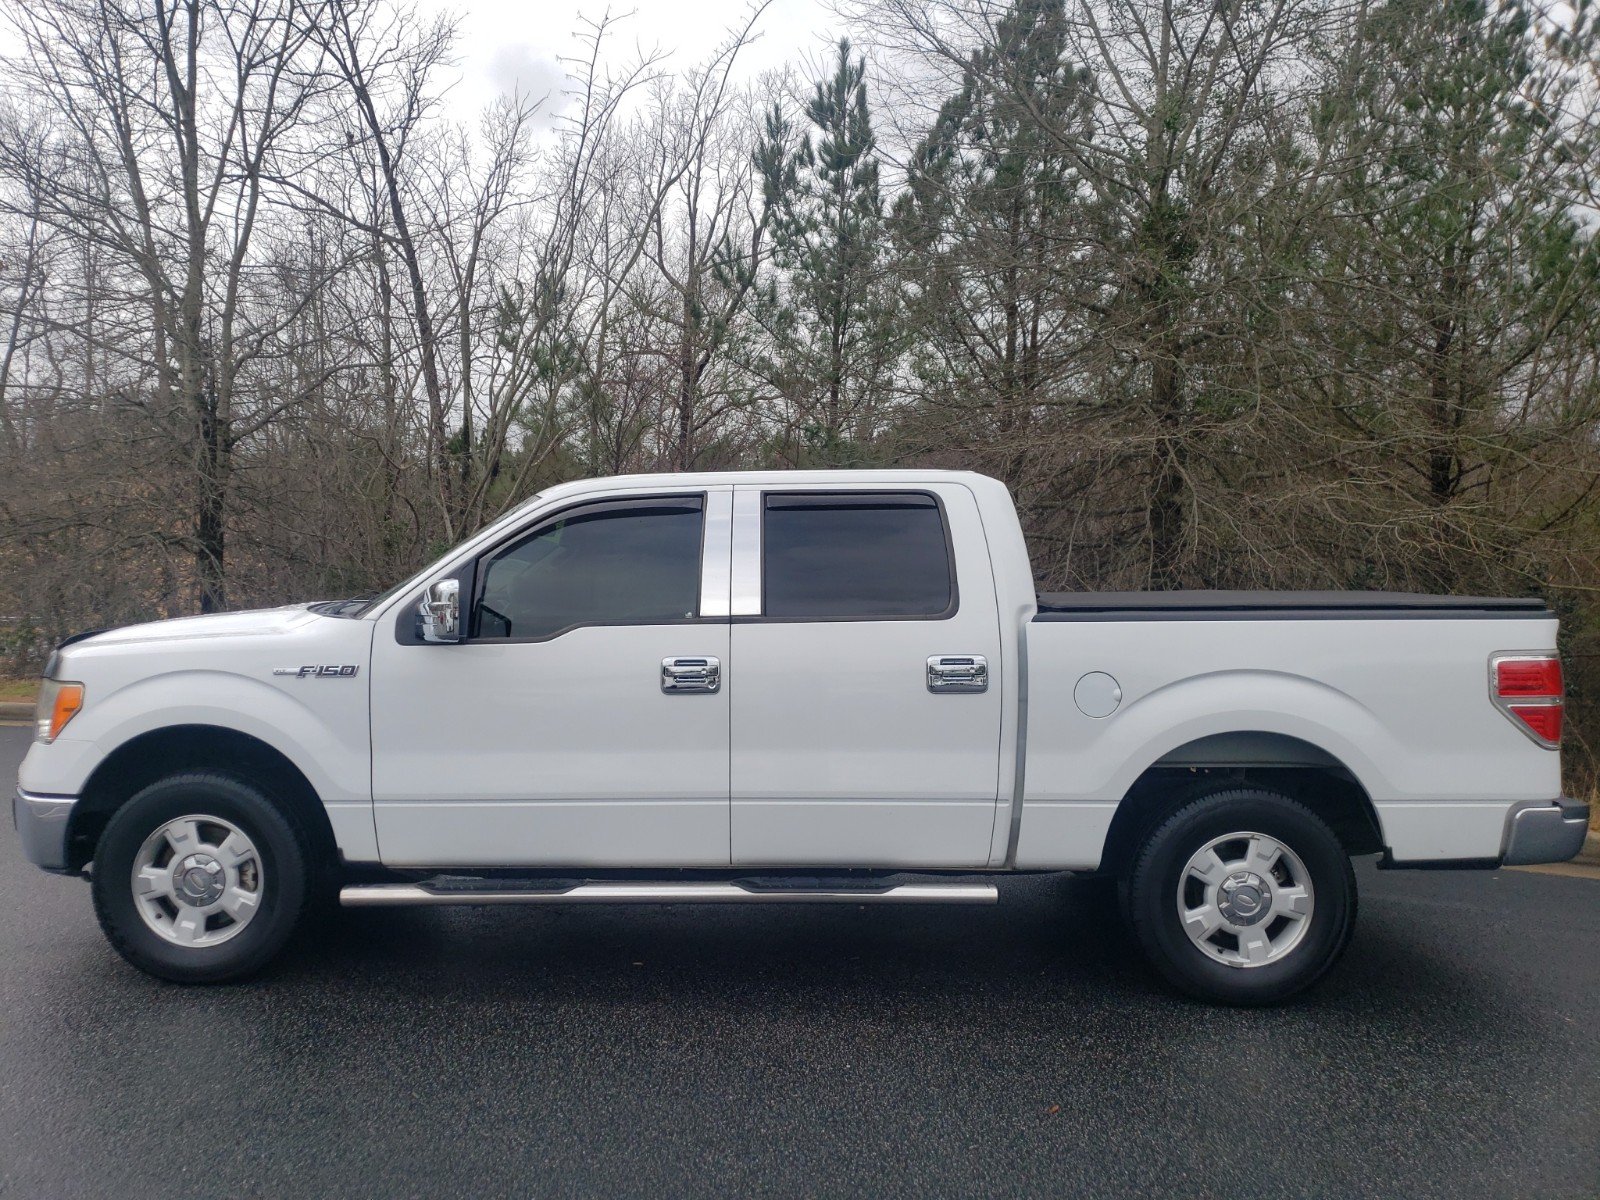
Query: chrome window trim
x=746 y=556
x=716 y=557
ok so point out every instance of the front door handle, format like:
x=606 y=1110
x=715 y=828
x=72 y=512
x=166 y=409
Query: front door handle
x=690 y=675
x=958 y=673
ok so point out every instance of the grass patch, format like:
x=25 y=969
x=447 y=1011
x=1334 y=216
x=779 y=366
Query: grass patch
x=24 y=691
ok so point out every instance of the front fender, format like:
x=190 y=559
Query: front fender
x=325 y=736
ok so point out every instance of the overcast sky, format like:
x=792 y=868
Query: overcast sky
x=510 y=43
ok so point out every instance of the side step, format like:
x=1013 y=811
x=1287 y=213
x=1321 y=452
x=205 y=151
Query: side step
x=367 y=895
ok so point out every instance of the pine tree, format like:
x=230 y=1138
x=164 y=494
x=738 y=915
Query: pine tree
x=1457 y=272
x=984 y=232
x=825 y=306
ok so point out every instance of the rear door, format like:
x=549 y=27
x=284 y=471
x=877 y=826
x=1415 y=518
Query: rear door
x=866 y=651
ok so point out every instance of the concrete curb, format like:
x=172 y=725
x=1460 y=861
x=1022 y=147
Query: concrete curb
x=11 y=710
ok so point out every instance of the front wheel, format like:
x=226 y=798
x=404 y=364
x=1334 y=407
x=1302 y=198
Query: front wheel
x=200 y=878
x=1242 y=896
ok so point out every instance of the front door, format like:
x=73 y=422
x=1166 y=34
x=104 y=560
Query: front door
x=866 y=712
x=584 y=721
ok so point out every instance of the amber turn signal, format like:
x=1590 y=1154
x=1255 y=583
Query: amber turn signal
x=58 y=703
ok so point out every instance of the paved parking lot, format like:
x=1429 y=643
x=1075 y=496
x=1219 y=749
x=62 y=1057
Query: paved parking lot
x=1015 y=1050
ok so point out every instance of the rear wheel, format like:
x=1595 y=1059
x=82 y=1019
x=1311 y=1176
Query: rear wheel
x=1242 y=896
x=200 y=878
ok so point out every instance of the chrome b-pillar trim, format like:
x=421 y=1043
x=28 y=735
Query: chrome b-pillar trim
x=747 y=552
x=716 y=566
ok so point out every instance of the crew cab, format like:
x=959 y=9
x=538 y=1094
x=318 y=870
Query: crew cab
x=817 y=687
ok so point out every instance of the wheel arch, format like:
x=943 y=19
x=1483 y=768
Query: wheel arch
x=1244 y=758
x=152 y=755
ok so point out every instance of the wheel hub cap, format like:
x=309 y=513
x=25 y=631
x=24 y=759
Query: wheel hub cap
x=199 y=880
x=1244 y=898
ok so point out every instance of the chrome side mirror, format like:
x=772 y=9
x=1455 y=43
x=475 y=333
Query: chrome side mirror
x=441 y=612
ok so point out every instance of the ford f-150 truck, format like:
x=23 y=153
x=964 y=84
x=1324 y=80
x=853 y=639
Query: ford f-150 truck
x=793 y=687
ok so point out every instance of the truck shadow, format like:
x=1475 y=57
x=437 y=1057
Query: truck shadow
x=1052 y=943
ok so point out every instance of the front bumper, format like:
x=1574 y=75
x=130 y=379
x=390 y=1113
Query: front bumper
x=41 y=823
x=1545 y=832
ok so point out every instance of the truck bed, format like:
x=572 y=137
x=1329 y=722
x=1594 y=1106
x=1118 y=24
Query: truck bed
x=1202 y=605
x=1393 y=690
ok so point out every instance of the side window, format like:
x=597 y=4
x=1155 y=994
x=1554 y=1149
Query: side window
x=630 y=562
x=862 y=556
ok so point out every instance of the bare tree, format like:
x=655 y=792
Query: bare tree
x=166 y=121
x=387 y=57
x=707 y=217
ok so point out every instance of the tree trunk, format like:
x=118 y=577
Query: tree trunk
x=210 y=535
x=1168 y=519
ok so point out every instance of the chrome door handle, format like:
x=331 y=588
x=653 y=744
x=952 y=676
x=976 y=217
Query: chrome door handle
x=958 y=673
x=690 y=675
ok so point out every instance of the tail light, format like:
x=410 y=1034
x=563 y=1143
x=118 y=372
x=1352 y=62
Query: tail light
x=1528 y=689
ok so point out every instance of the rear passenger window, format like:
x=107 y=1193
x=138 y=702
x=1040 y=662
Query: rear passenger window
x=863 y=556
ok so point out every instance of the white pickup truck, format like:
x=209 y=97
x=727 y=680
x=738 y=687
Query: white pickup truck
x=793 y=687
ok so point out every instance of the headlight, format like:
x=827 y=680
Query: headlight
x=58 y=703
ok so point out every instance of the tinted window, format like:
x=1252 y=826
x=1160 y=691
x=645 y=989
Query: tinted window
x=849 y=556
x=636 y=564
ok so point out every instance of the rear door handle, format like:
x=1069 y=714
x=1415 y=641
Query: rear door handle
x=690 y=675
x=958 y=673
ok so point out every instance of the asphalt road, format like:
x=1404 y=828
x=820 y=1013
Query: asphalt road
x=1014 y=1050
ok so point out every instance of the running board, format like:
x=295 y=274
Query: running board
x=367 y=895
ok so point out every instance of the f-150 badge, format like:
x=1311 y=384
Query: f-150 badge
x=315 y=672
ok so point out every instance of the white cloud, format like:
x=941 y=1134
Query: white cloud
x=511 y=44
x=517 y=68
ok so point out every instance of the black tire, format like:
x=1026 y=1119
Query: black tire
x=285 y=877
x=1158 y=866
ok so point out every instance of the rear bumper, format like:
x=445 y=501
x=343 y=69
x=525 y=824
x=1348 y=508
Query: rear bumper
x=1547 y=832
x=41 y=823
x=1536 y=831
